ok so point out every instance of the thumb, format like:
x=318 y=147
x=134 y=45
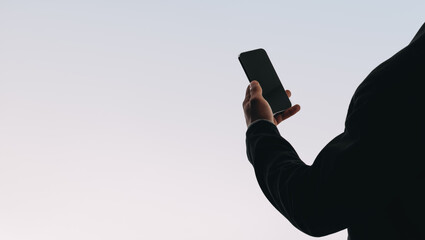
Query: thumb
x=255 y=89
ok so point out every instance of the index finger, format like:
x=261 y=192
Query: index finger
x=288 y=93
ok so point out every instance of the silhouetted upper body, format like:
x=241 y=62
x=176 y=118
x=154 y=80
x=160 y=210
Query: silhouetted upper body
x=370 y=178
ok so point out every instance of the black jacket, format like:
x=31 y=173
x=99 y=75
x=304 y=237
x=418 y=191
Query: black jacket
x=370 y=178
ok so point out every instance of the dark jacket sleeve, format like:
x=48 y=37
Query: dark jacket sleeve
x=313 y=198
x=360 y=170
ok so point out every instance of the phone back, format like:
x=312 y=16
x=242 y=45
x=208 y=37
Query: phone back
x=257 y=66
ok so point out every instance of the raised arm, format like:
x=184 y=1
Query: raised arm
x=356 y=175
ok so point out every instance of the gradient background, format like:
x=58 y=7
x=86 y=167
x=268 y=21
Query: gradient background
x=124 y=120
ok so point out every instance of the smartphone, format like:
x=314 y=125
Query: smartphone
x=257 y=66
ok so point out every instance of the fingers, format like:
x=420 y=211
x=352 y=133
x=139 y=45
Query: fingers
x=287 y=113
x=292 y=110
x=254 y=94
x=247 y=95
x=256 y=90
x=288 y=93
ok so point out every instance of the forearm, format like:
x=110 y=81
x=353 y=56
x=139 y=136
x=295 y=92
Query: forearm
x=289 y=184
x=275 y=164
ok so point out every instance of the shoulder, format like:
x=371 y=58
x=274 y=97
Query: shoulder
x=390 y=96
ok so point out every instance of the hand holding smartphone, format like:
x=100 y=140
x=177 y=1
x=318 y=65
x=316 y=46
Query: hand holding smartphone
x=257 y=66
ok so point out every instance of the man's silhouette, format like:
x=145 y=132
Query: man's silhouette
x=371 y=177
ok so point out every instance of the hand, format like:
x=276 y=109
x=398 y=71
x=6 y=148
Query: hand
x=256 y=107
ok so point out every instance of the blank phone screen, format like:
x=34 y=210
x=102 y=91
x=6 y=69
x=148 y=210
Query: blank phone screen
x=257 y=66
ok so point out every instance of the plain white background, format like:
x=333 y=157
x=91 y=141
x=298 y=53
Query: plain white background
x=123 y=119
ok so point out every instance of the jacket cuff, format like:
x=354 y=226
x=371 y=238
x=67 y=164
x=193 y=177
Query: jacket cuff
x=259 y=120
x=262 y=124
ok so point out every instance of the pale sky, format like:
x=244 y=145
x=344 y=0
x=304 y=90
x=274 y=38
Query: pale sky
x=123 y=119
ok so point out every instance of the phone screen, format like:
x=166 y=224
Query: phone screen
x=257 y=66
